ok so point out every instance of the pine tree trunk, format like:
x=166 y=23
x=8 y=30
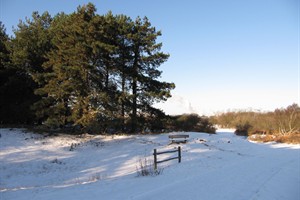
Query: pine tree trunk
x=106 y=79
x=134 y=106
x=134 y=94
x=123 y=103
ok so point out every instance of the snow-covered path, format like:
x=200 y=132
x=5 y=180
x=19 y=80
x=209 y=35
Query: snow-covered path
x=252 y=178
x=221 y=166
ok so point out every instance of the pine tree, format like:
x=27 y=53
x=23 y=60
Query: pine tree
x=31 y=44
x=123 y=64
x=29 y=48
x=4 y=52
x=80 y=85
x=67 y=81
x=147 y=57
x=16 y=85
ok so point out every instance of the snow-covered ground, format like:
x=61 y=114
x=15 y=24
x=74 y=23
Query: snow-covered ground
x=221 y=166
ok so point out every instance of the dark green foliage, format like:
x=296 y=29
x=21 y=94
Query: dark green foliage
x=16 y=98
x=31 y=44
x=187 y=122
x=193 y=122
x=20 y=69
x=98 y=72
x=242 y=129
x=147 y=57
x=4 y=52
x=69 y=69
x=205 y=125
x=16 y=88
x=155 y=120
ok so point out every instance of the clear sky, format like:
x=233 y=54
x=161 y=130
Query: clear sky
x=224 y=54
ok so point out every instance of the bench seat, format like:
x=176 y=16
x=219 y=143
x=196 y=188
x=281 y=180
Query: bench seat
x=179 y=138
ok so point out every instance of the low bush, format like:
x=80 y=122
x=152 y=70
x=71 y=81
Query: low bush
x=192 y=122
x=146 y=168
x=242 y=129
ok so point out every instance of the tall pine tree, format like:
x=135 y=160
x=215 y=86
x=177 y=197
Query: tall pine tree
x=147 y=57
x=29 y=48
x=23 y=58
x=69 y=68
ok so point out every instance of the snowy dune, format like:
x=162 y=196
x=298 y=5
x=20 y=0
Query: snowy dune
x=221 y=166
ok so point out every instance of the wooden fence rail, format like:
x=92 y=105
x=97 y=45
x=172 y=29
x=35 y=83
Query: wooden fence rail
x=164 y=152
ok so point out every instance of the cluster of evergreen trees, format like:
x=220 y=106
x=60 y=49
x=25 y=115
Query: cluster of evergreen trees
x=95 y=71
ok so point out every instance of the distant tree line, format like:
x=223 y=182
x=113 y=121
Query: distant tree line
x=97 y=72
x=282 y=121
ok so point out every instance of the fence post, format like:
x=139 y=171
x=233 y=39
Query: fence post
x=179 y=154
x=155 y=159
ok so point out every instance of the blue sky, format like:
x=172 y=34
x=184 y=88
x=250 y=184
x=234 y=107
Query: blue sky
x=225 y=54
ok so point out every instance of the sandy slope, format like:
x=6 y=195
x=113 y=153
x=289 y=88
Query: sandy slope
x=224 y=166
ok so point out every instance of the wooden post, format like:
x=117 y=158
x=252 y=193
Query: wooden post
x=155 y=159
x=179 y=154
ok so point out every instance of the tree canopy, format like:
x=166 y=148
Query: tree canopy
x=85 y=69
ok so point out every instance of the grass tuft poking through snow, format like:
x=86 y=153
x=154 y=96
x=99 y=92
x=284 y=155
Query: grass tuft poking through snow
x=146 y=168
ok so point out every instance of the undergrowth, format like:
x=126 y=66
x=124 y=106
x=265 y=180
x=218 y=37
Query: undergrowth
x=289 y=139
x=146 y=168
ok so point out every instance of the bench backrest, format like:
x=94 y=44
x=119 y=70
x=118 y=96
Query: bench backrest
x=178 y=136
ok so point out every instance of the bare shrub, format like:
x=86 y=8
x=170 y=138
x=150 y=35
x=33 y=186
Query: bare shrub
x=290 y=139
x=281 y=125
x=95 y=177
x=146 y=168
x=287 y=119
x=56 y=161
x=74 y=146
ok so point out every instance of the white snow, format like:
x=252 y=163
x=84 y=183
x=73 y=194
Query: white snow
x=218 y=166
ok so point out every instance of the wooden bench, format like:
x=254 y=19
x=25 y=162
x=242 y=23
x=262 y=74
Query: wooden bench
x=178 y=138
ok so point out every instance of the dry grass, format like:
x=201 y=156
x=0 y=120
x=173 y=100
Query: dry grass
x=289 y=139
x=146 y=168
